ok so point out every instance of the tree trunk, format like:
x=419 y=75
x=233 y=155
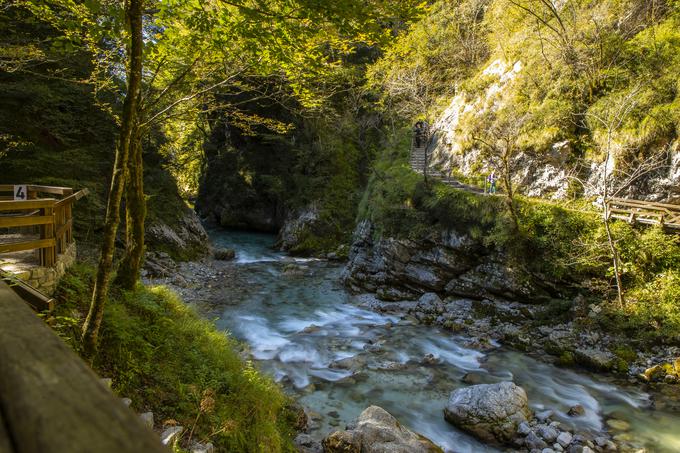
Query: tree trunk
x=610 y=238
x=615 y=256
x=510 y=192
x=133 y=15
x=135 y=214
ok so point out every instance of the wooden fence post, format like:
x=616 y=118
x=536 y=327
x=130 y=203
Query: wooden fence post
x=48 y=257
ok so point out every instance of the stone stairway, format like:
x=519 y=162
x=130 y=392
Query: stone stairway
x=418 y=158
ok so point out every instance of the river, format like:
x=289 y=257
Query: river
x=299 y=321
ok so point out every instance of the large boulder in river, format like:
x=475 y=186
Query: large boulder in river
x=491 y=412
x=376 y=431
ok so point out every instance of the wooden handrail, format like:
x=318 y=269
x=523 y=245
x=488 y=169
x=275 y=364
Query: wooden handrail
x=50 y=400
x=71 y=198
x=27 y=245
x=52 y=215
x=27 y=204
x=673 y=207
x=646 y=212
x=34 y=188
x=25 y=220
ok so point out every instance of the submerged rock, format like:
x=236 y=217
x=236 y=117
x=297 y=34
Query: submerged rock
x=376 y=431
x=492 y=412
x=576 y=411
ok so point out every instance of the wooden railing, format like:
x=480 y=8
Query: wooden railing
x=51 y=218
x=647 y=212
x=50 y=400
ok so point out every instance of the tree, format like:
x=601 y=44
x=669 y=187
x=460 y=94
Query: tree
x=133 y=16
x=619 y=171
x=277 y=37
x=500 y=144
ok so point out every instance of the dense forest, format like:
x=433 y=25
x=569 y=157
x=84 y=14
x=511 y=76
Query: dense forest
x=194 y=122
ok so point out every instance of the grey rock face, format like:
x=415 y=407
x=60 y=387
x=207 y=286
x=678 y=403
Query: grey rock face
x=492 y=412
x=445 y=263
x=295 y=225
x=186 y=238
x=430 y=303
x=376 y=431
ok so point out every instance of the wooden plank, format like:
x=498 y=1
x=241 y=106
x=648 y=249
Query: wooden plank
x=26 y=245
x=51 y=189
x=28 y=204
x=62 y=229
x=8 y=222
x=38 y=301
x=674 y=207
x=71 y=198
x=51 y=401
x=34 y=188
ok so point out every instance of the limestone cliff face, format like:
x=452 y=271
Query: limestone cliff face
x=552 y=172
x=445 y=262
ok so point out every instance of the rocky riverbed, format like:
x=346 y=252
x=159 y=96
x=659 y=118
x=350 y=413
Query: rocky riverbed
x=338 y=354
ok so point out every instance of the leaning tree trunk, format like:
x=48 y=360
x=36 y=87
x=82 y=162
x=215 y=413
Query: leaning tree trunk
x=135 y=214
x=133 y=15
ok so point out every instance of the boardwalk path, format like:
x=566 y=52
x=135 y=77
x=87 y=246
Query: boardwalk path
x=632 y=211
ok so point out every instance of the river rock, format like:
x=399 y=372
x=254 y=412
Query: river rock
x=492 y=412
x=564 y=439
x=547 y=433
x=431 y=304
x=533 y=442
x=307 y=444
x=376 y=431
x=594 y=359
x=576 y=411
x=618 y=425
x=171 y=435
x=224 y=254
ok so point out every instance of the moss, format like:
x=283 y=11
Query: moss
x=567 y=359
x=625 y=353
x=167 y=359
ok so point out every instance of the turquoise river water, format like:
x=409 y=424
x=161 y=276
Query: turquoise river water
x=298 y=320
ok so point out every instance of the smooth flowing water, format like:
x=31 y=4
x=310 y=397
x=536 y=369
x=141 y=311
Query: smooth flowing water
x=299 y=323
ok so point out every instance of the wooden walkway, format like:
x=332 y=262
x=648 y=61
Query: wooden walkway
x=632 y=211
x=44 y=224
x=50 y=400
x=645 y=212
